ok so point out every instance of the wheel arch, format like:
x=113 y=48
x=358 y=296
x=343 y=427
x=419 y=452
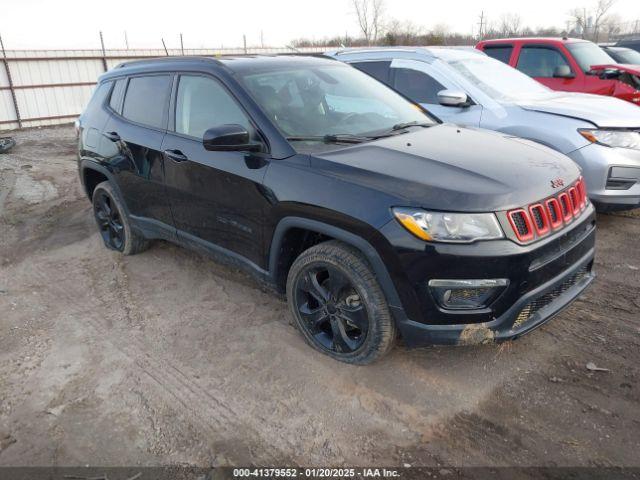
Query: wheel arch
x=95 y=174
x=286 y=225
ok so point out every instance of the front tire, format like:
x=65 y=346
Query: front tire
x=113 y=224
x=338 y=305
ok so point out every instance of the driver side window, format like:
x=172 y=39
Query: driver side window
x=540 y=62
x=416 y=85
x=202 y=103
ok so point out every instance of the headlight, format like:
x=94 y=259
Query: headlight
x=613 y=138
x=449 y=227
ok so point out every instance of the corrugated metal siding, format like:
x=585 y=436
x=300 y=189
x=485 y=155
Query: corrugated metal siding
x=41 y=79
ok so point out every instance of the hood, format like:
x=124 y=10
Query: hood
x=623 y=67
x=602 y=111
x=452 y=168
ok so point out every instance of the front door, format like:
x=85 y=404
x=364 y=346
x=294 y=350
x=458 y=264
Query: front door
x=541 y=62
x=421 y=82
x=216 y=197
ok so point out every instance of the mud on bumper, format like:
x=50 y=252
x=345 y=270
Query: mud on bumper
x=531 y=311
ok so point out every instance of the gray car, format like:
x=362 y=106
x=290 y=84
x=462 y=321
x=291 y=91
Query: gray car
x=466 y=87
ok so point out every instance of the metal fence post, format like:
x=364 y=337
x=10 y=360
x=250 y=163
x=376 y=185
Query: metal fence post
x=104 y=53
x=5 y=62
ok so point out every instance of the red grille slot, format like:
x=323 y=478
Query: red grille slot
x=521 y=224
x=555 y=213
x=575 y=200
x=567 y=209
x=540 y=220
x=582 y=190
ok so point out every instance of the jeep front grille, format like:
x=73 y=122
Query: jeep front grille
x=540 y=219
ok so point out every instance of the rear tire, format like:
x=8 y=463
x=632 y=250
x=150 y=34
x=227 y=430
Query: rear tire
x=113 y=223
x=338 y=305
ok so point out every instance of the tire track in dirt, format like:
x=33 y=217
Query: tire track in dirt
x=213 y=416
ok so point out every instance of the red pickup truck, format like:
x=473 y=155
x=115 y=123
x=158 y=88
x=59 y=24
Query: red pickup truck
x=568 y=64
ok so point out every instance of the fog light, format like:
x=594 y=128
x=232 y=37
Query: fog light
x=466 y=294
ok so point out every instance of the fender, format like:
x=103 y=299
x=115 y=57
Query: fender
x=349 y=238
x=90 y=164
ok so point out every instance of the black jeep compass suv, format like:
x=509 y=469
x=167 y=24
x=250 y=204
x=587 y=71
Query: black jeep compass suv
x=376 y=220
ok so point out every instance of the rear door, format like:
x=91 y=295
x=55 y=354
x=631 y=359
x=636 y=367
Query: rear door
x=135 y=131
x=541 y=61
x=216 y=197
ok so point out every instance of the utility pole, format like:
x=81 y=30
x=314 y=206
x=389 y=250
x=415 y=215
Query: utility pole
x=126 y=40
x=481 y=31
x=244 y=42
x=165 y=47
x=261 y=38
x=181 y=45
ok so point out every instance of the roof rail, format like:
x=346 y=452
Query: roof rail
x=151 y=61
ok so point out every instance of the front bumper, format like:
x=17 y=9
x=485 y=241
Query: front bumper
x=544 y=278
x=600 y=164
x=531 y=311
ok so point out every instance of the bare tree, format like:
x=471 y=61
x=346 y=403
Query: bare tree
x=599 y=18
x=510 y=24
x=590 y=21
x=369 y=14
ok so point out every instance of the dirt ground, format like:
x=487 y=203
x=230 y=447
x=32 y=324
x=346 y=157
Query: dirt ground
x=168 y=357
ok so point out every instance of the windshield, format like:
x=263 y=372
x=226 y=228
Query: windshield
x=588 y=54
x=497 y=80
x=322 y=100
x=626 y=55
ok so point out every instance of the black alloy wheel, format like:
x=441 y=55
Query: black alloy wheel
x=331 y=310
x=109 y=221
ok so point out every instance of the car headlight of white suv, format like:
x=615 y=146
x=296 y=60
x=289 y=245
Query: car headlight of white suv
x=613 y=138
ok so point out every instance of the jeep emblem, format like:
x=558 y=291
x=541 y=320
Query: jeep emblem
x=556 y=183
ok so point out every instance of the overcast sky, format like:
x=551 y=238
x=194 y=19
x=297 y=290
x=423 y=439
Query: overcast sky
x=214 y=23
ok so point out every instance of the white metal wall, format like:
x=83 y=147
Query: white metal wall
x=53 y=86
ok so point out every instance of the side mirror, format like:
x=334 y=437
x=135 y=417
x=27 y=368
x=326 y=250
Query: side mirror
x=608 y=74
x=453 y=98
x=563 y=71
x=229 y=138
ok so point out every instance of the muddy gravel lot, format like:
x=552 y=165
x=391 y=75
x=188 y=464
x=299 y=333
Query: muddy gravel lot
x=169 y=357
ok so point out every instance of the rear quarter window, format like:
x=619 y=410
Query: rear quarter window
x=499 y=52
x=115 y=101
x=146 y=98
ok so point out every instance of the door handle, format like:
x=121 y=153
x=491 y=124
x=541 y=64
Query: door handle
x=176 y=155
x=113 y=136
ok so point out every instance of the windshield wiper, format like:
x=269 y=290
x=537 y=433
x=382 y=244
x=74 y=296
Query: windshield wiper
x=402 y=126
x=331 y=138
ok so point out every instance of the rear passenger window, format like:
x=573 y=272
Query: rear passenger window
x=203 y=103
x=416 y=85
x=116 y=95
x=146 y=99
x=499 y=52
x=540 y=61
x=378 y=70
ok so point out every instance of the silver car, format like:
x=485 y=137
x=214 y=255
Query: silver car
x=466 y=87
